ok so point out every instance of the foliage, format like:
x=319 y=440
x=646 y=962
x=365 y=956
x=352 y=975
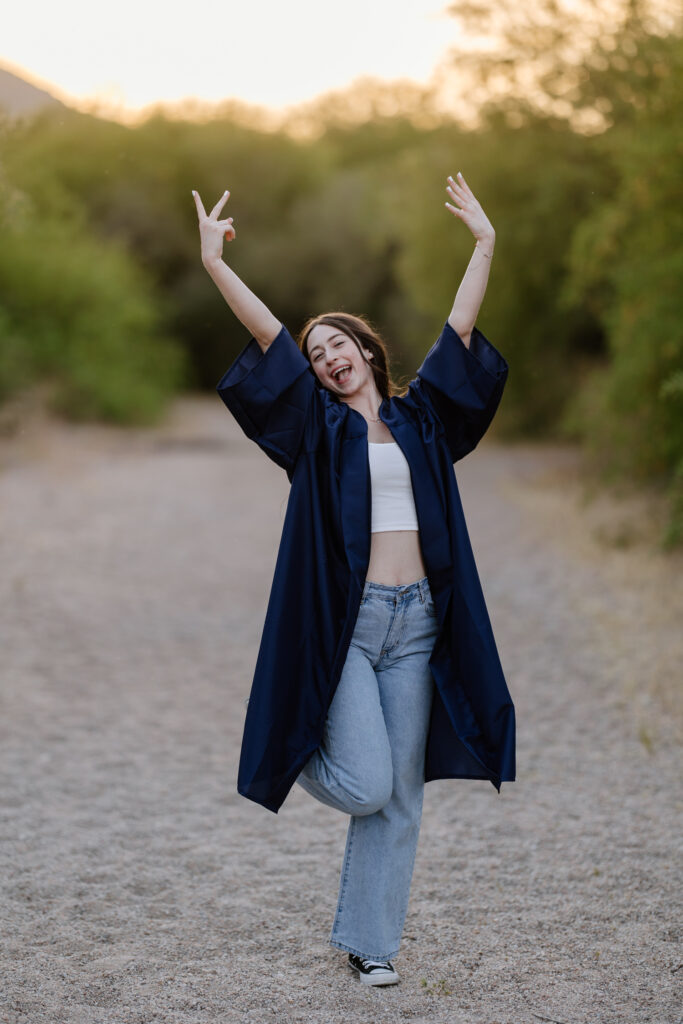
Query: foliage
x=627 y=260
x=534 y=212
x=75 y=313
x=574 y=156
x=587 y=61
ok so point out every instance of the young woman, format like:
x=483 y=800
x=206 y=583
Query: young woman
x=377 y=669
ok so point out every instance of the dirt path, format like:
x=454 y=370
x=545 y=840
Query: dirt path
x=138 y=887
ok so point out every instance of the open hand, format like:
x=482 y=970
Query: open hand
x=468 y=209
x=212 y=230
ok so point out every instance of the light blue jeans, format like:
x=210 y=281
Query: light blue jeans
x=370 y=763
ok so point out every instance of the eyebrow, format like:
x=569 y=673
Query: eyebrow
x=339 y=334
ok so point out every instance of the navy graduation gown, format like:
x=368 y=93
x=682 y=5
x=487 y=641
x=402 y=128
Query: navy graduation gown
x=324 y=552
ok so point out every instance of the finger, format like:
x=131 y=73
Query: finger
x=456 y=193
x=219 y=205
x=199 y=204
x=464 y=184
x=453 y=209
x=456 y=186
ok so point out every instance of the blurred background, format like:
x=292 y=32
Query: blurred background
x=334 y=129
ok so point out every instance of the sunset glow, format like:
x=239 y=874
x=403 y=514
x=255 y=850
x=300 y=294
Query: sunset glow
x=140 y=52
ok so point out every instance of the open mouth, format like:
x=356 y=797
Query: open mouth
x=342 y=374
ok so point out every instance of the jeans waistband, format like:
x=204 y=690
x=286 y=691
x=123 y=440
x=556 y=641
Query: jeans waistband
x=420 y=587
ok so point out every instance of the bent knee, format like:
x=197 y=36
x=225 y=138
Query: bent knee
x=372 y=795
x=348 y=791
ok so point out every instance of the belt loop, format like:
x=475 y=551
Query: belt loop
x=366 y=585
x=423 y=590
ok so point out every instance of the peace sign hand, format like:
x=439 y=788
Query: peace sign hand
x=212 y=230
x=468 y=209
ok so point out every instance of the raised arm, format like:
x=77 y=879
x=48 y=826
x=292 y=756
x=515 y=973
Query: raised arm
x=462 y=377
x=473 y=285
x=246 y=306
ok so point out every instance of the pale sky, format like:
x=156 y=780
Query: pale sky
x=272 y=52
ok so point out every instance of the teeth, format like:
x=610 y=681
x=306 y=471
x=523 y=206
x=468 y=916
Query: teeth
x=337 y=372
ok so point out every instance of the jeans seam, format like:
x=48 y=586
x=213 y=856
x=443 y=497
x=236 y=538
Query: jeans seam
x=345 y=873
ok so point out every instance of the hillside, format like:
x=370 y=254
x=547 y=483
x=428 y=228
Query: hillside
x=19 y=98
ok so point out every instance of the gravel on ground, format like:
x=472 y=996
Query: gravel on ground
x=137 y=886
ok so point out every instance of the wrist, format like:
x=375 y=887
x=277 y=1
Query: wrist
x=485 y=244
x=211 y=263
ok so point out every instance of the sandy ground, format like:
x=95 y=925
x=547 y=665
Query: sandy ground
x=137 y=886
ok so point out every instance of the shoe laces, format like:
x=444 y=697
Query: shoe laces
x=376 y=963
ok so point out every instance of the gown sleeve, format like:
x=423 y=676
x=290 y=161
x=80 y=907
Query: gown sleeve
x=270 y=394
x=462 y=385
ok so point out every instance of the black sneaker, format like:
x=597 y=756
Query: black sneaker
x=373 y=972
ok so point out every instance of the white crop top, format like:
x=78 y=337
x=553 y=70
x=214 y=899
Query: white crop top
x=393 y=504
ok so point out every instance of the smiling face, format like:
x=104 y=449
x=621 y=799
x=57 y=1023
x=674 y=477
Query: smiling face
x=337 y=362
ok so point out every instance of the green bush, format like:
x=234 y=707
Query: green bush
x=627 y=262
x=78 y=313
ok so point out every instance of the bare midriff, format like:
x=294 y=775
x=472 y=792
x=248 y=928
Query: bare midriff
x=395 y=558
x=395 y=555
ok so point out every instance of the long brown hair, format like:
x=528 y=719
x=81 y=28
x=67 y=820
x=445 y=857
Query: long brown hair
x=365 y=335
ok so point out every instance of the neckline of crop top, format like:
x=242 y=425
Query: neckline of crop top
x=378 y=443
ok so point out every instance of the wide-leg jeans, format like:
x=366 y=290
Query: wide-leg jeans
x=370 y=763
